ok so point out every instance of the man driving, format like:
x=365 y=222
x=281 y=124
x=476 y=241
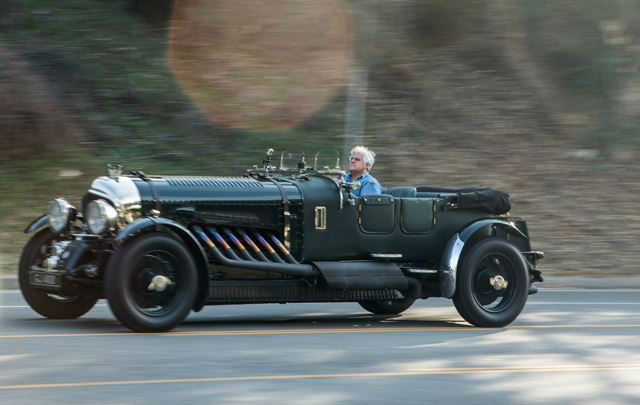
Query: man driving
x=360 y=163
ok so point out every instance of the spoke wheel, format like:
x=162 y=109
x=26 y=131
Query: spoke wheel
x=491 y=284
x=151 y=283
x=47 y=304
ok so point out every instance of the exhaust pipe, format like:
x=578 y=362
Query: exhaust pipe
x=337 y=275
x=299 y=270
x=223 y=243
x=283 y=249
x=256 y=250
x=238 y=244
x=276 y=257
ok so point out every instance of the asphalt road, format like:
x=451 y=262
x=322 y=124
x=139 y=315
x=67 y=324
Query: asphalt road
x=567 y=347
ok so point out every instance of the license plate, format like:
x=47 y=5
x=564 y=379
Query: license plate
x=44 y=279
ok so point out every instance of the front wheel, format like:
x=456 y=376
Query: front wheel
x=151 y=283
x=48 y=304
x=492 y=284
x=387 y=307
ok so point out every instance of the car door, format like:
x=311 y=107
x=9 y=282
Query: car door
x=396 y=228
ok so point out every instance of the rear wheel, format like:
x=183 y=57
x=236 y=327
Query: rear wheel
x=47 y=304
x=492 y=284
x=151 y=283
x=387 y=307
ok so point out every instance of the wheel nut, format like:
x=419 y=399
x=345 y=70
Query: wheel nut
x=498 y=283
x=159 y=283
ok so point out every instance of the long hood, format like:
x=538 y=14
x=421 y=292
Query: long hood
x=176 y=190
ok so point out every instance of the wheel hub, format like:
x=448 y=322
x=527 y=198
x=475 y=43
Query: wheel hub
x=159 y=283
x=155 y=284
x=498 y=283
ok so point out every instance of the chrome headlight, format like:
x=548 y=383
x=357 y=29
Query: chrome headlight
x=100 y=217
x=60 y=213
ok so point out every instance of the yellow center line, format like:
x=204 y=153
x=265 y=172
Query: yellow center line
x=411 y=372
x=320 y=331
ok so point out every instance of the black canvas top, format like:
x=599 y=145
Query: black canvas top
x=487 y=199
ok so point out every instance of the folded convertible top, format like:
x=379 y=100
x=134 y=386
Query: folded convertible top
x=487 y=199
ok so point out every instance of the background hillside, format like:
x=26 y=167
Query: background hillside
x=538 y=98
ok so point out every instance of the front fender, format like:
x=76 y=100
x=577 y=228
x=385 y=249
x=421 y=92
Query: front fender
x=450 y=258
x=37 y=224
x=148 y=224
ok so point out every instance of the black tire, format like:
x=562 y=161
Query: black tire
x=476 y=299
x=129 y=273
x=381 y=307
x=47 y=304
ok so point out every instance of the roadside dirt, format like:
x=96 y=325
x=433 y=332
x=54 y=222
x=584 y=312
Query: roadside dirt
x=31 y=117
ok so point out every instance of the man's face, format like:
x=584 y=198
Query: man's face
x=356 y=164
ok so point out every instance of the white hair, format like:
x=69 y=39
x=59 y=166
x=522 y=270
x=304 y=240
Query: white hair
x=368 y=156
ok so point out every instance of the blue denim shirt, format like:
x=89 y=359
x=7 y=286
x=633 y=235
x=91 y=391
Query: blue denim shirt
x=368 y=185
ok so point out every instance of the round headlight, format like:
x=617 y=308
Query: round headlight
x=100 y=217
x=60 y=212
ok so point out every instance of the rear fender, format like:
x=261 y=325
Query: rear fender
x=460 y=241
x=145 y=225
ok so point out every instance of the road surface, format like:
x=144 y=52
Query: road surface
x=567 y=347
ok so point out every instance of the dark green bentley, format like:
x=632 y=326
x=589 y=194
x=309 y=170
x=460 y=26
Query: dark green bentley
x=158 y=247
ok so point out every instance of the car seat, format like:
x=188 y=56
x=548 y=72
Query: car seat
x=405 y=191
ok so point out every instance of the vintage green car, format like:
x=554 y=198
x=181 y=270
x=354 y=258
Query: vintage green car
x=158 y=247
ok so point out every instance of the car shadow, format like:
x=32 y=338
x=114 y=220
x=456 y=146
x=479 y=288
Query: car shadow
x=301 y=321
x=250 y=317
x=92 y=325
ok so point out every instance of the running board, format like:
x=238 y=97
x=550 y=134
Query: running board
x=281 y=291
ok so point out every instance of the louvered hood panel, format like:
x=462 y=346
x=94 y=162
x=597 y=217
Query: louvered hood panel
x=180 y=190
